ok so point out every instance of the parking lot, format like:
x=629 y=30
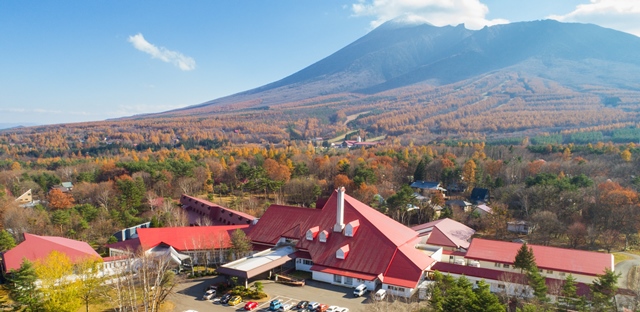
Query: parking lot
x=189 y=296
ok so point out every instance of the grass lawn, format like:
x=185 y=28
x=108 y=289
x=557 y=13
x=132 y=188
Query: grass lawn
x=619 y=257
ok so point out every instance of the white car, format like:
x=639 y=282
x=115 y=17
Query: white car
x=340 y=309
x=333 y=308
x=285 y=307
x=209 y=294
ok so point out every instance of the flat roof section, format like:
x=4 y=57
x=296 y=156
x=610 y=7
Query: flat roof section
x=258 y=263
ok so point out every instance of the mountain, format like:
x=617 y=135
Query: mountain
x=397 y=55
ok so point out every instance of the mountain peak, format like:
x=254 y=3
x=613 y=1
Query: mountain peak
x=406 y=20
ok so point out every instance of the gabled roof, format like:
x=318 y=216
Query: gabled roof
x=479 y=194
x=35 y=247
x=446 y=233
x=485 y=208
x=373 y=251
x=426 y=185
x=548 y=258
x=189 y=238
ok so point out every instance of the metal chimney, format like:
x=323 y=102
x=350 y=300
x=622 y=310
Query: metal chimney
x=339 y=211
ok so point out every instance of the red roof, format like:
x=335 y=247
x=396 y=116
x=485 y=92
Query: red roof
x=36 y=247
x=446 y=232
x=376 y=248
x=214 y=211
x=548 y=258
x=189 y=237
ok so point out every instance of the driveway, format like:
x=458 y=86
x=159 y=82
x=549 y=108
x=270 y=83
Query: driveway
x=189 y=295
x=625 y=268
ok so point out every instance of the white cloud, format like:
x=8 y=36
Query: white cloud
x=437 y=12
x=176 y=58
x=622 y=15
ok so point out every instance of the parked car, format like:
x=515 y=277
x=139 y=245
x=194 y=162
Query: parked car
x=340 y=309
x=225 y=298
x=250 y=305
x=209 y=294
x=235 y=300
x=285 y=307
x=313 y=306
x=380 y=294
x=302 y=304
x=275 y=305
x=322 y=308
x=360 y=290
x=333 y=308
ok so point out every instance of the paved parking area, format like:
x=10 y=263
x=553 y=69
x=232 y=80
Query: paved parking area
x=189 y=296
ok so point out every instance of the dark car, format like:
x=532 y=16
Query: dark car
x=225 y=298
x=302 y=304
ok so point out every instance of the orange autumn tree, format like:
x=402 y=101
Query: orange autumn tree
x=619 y=207
x=59 y=200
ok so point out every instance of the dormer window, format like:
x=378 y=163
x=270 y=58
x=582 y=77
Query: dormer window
x=351 y=228
x=342 y=252
x=312 y=233
x=324 y=235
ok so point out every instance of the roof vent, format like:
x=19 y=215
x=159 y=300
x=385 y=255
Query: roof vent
x=312 y=233
x=342 y=252
x=323 y=236
x=351 y=228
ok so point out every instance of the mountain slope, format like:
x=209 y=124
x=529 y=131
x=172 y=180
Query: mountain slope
x=395 y=55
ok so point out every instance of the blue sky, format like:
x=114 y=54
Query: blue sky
x=72 y=61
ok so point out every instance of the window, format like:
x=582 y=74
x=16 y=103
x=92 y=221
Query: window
x=307 y=262
x=496 y=264
x=549 y=272
x=562 y=273
x=348 y=280
x=505 y=266
x=337 y=278
x=394 y=288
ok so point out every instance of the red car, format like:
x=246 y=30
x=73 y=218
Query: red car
x=250 y=305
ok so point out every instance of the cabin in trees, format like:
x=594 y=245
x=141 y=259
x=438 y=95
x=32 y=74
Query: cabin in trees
x=64 y=187
x=479 y=196
x=427 y=188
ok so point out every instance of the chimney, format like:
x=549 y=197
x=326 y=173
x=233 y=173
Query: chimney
x=339 y=211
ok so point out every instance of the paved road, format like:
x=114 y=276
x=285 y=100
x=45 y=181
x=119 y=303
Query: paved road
x=624 y=267
x=189 y=294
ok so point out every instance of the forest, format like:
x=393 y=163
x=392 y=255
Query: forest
x=578 y=196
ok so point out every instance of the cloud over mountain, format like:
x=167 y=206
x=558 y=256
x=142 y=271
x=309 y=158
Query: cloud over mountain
x=174 y=57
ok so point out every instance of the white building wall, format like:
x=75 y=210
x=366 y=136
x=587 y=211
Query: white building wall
x=396 y=291
x=330 y=278
x=581 y=278
x=301 y=266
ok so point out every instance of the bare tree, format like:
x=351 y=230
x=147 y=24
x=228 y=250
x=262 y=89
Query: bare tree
x=144 y=283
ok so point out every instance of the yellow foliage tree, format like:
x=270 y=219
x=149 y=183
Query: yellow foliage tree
x=60 y=293
x=469 y=172
x=626 y=155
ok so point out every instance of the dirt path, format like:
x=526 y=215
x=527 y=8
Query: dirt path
x=628 y=270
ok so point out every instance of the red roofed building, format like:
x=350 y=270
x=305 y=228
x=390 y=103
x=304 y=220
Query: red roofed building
x=446 y=233
x=348 y=243
x=200 y=212
x=35 y=247
x=555 y=262
x=198 y=242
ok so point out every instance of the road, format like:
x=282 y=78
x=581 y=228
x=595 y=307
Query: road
x=189 y=294
x=625 y=267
